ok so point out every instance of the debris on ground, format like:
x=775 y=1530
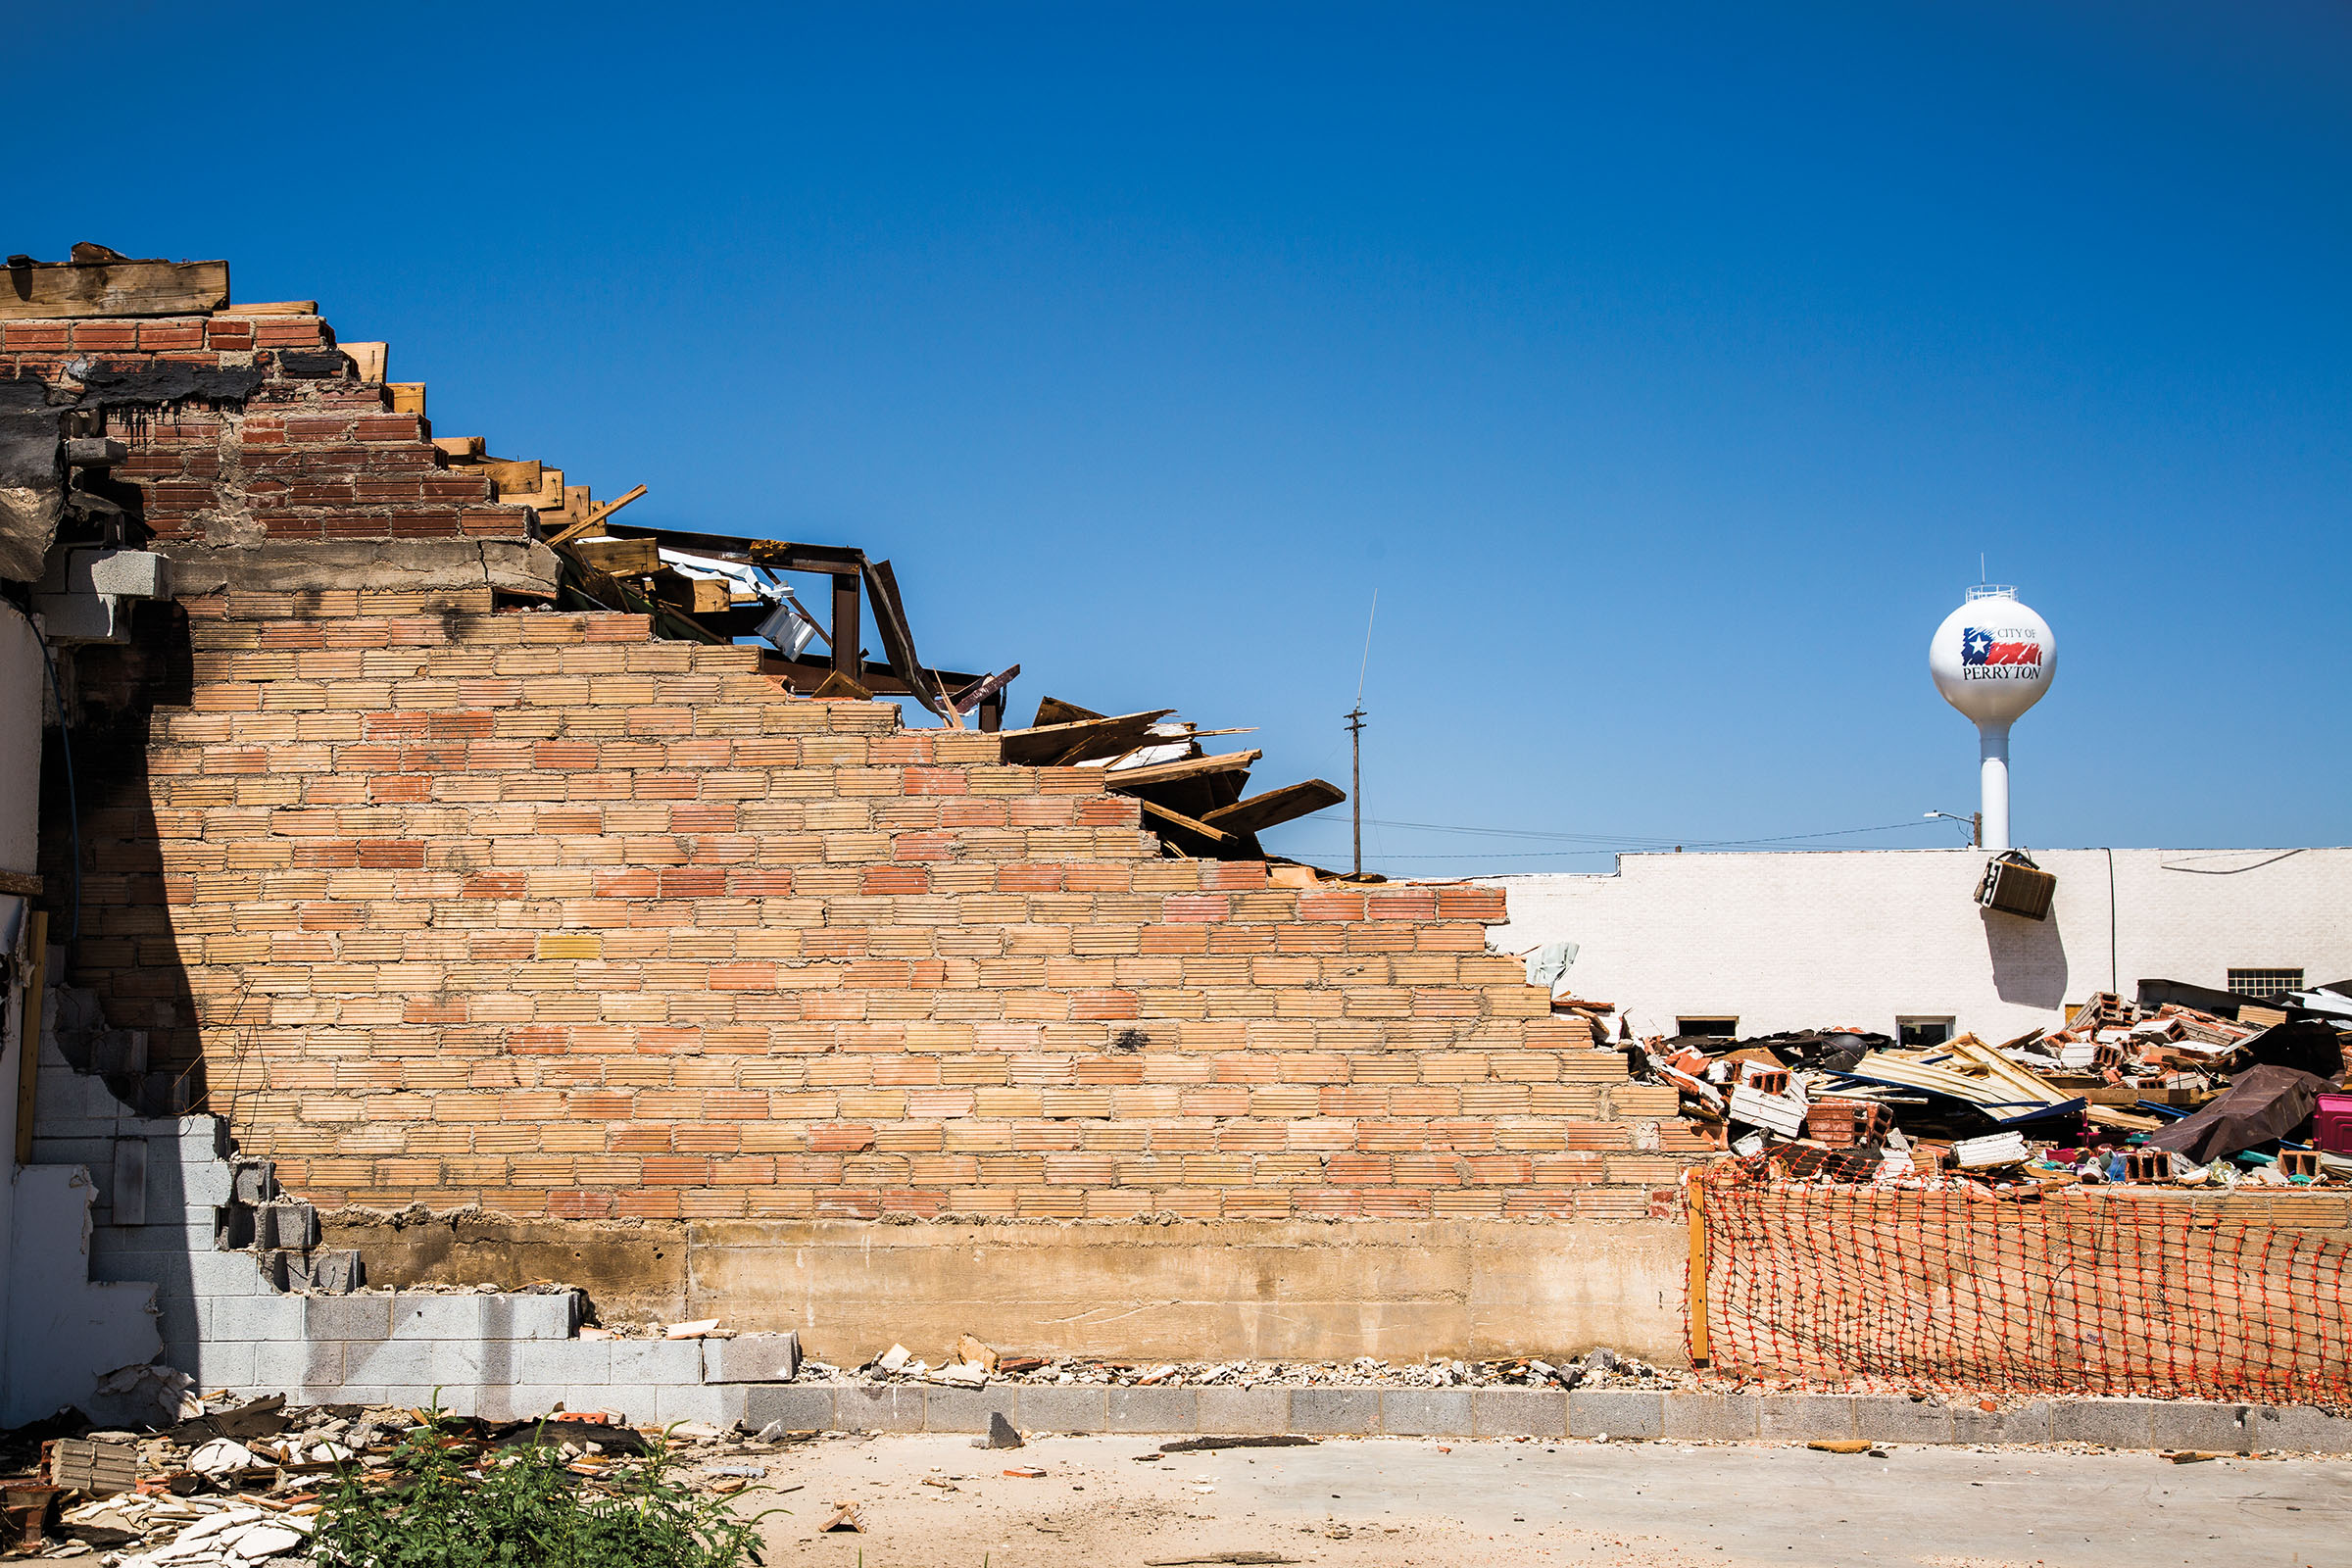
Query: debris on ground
x=1001 y=1434
x=1598 y=1368
x=243 y=1482
x=2154 y=1092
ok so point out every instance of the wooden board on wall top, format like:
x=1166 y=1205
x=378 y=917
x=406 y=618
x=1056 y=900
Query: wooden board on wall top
x=68 y=289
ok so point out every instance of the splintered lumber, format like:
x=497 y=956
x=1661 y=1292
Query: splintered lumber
x=1053 y=711
x=622 y=558
x=587 y=516
x=839 y=687
x=406 y=396
x=2027 y=1084
x=37 y=290
x=1136 y=778
x=1075 y=740
x=1287 y=804
x=599 y=513
x=1189 y=824
x=2024 y=1097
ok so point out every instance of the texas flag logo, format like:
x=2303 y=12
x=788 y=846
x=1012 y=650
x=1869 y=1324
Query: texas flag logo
x=1977 y=647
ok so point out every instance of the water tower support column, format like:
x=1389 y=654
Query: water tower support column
x=1993 y=743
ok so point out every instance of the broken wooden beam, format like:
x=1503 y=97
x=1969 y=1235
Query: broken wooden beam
x=622 y=558
x=1189 y=824
x=31 y=290
x=1131 y=778
x=1053 y=711
x=1287 y=804
x=1075 y=740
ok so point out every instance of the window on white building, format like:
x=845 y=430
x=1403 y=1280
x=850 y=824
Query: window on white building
x=2264 y=982
x=1711 y=1028
x=1923 y=1031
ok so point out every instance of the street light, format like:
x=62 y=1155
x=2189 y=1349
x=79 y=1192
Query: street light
x=1974 y=822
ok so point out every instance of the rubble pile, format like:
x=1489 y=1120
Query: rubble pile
x=241 y=1484
x=971 y=1364
x=2143 y=1092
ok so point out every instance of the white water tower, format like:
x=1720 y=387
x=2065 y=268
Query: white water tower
x=1992 y=659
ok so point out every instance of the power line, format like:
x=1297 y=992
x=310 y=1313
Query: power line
x=1607 y=844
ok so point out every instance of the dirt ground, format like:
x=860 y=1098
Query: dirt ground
x=934 y=1501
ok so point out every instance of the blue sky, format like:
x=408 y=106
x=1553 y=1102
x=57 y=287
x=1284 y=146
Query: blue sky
x=1664 y=368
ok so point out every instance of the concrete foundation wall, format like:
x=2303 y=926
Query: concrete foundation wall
x=1799 y=940
x=1227 y=1290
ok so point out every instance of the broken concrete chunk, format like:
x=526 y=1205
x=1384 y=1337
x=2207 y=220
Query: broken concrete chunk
x=970 y=1349
x=895 y=1359
x=701 y=1328
x=224 y=1457
x=1001 y=1434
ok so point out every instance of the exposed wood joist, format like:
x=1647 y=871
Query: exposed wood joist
x=1287 y=804
x=1134 y=778
x=1076 y=740
x=1157 y=813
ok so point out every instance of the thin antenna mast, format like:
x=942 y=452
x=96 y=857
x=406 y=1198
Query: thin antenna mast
x=1355 y=739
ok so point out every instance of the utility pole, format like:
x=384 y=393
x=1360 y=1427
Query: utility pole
x=1356 y=779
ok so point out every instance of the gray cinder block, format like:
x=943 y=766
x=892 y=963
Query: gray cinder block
x=966 y=1409
x=1340 y=1411
x=878 y=1407
x=528 y=1317
x=563 y=1361
x=416 y=1316
x=1425 y=1413
x=347 y=1317
x=1518 y=1413
x=1151 y=1410
x=254 y=1317
x=1615 y=1413
x=656 y=1363
x=1805 y=1417
x=797 y=1410
x=1710 y=1417
x=1079 y=1408
x=2111 y=1423
x=1263 y=1412
x=1893 y=1419
x=752 y=1358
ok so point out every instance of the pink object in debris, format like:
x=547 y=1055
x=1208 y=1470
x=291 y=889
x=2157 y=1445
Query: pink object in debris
x=2331 y=1127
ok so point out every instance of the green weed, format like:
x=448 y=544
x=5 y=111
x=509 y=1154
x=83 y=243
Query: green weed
x=453 y=1505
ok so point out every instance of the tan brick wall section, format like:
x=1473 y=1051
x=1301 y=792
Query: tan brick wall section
x=526 y=909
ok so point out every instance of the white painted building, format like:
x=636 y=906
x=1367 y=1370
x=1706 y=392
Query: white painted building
x=1755 y=944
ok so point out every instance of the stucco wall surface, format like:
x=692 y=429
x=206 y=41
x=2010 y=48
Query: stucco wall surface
x=1801 y=939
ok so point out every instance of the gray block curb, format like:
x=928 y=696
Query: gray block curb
x=383 y=1369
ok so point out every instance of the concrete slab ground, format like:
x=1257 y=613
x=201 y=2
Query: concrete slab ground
x=1504 y=1504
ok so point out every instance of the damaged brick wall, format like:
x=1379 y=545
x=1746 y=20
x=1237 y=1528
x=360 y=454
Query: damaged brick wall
x=454 y=905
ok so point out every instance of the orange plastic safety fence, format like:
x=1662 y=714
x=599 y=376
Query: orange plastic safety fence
x=2088 y=1291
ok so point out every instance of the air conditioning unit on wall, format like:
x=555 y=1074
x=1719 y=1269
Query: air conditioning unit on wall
x=2014 y=885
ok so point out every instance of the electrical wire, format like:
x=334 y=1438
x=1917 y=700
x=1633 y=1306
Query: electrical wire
x=1608 y=844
